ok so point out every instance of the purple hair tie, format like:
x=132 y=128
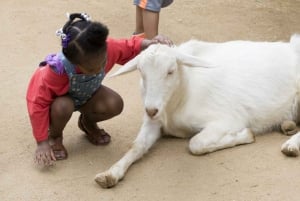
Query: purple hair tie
x=65 y=37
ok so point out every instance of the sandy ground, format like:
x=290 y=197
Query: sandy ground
x=245 y=173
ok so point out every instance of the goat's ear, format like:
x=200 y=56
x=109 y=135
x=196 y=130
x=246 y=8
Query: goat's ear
x=192 y=61
x=129 y=66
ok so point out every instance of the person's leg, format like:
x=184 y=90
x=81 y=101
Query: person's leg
x=61 y=111
x=139 y=27
x=150 y=22
x=104 y=105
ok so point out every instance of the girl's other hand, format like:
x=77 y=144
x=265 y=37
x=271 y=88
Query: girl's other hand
x=44 y=155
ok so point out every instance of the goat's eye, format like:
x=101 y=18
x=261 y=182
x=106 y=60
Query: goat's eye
x=170 y=72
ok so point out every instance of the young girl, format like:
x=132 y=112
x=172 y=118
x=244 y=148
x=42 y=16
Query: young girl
x=71 y=81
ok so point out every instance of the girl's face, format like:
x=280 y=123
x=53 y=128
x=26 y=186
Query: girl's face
x=93 y=64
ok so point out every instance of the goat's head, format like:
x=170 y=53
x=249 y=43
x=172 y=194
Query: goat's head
x=160 y=67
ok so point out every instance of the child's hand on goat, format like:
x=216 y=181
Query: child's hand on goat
x=157 y=39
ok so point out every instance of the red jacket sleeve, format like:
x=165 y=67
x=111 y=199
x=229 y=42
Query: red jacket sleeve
x=44 y=86
x=120 y=51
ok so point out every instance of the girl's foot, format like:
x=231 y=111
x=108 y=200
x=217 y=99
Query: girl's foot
x=95 y=136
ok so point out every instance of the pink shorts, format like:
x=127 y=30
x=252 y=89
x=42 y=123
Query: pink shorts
x=152 y=5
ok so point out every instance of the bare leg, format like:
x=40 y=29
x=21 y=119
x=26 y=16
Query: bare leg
x=139 y=27
x=148 y=135
x=104 y=105
x=61 y=111
x=150 y=22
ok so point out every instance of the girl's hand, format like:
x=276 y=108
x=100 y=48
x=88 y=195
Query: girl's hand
x=157 y=39
x=162 y=39
x=44 y=155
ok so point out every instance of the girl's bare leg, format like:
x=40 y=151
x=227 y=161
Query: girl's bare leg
x=104 y=105
x=61 y=111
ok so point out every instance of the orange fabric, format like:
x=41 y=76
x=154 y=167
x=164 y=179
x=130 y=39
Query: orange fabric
x=143 y=4
x=141 y=35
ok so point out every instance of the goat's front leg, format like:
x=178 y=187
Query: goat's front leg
x=291 y=146
x=219 y=135
x=148 y=135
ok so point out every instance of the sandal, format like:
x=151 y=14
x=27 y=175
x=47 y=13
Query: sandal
x=100 y=137
x=59 y=149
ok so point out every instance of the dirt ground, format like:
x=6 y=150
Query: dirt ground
x=256 y=172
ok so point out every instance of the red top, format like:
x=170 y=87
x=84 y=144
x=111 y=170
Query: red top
x=45 y=84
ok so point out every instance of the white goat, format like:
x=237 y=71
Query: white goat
x=248 y=87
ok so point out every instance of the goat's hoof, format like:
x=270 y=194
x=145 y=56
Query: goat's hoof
x=290 y=149
x=247 y=135
x=197 y=153
x=289 y=128
x=106 y=179
x=197 y=148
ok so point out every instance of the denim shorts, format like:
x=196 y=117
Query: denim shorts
x=152 y=5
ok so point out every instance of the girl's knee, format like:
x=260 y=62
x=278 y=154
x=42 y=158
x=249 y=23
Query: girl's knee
x=62 y=107
x=118 y=105
x=115 y=105
x=112 y=106
x=104 y=102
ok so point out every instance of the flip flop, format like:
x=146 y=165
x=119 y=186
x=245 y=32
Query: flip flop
x=100 y=137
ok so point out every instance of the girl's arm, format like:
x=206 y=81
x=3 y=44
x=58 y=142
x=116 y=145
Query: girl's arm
x=120 y=51
x=44 y=86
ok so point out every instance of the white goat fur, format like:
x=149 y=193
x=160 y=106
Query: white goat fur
x=247 y=87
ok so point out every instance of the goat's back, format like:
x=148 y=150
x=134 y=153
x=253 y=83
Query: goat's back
x=254 y=83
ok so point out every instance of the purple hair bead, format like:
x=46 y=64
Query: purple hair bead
x=65 y=40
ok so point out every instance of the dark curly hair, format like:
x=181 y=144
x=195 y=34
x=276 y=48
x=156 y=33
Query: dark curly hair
x=84 y=38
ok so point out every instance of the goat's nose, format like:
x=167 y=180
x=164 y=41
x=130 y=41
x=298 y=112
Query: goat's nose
x=151 y=111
